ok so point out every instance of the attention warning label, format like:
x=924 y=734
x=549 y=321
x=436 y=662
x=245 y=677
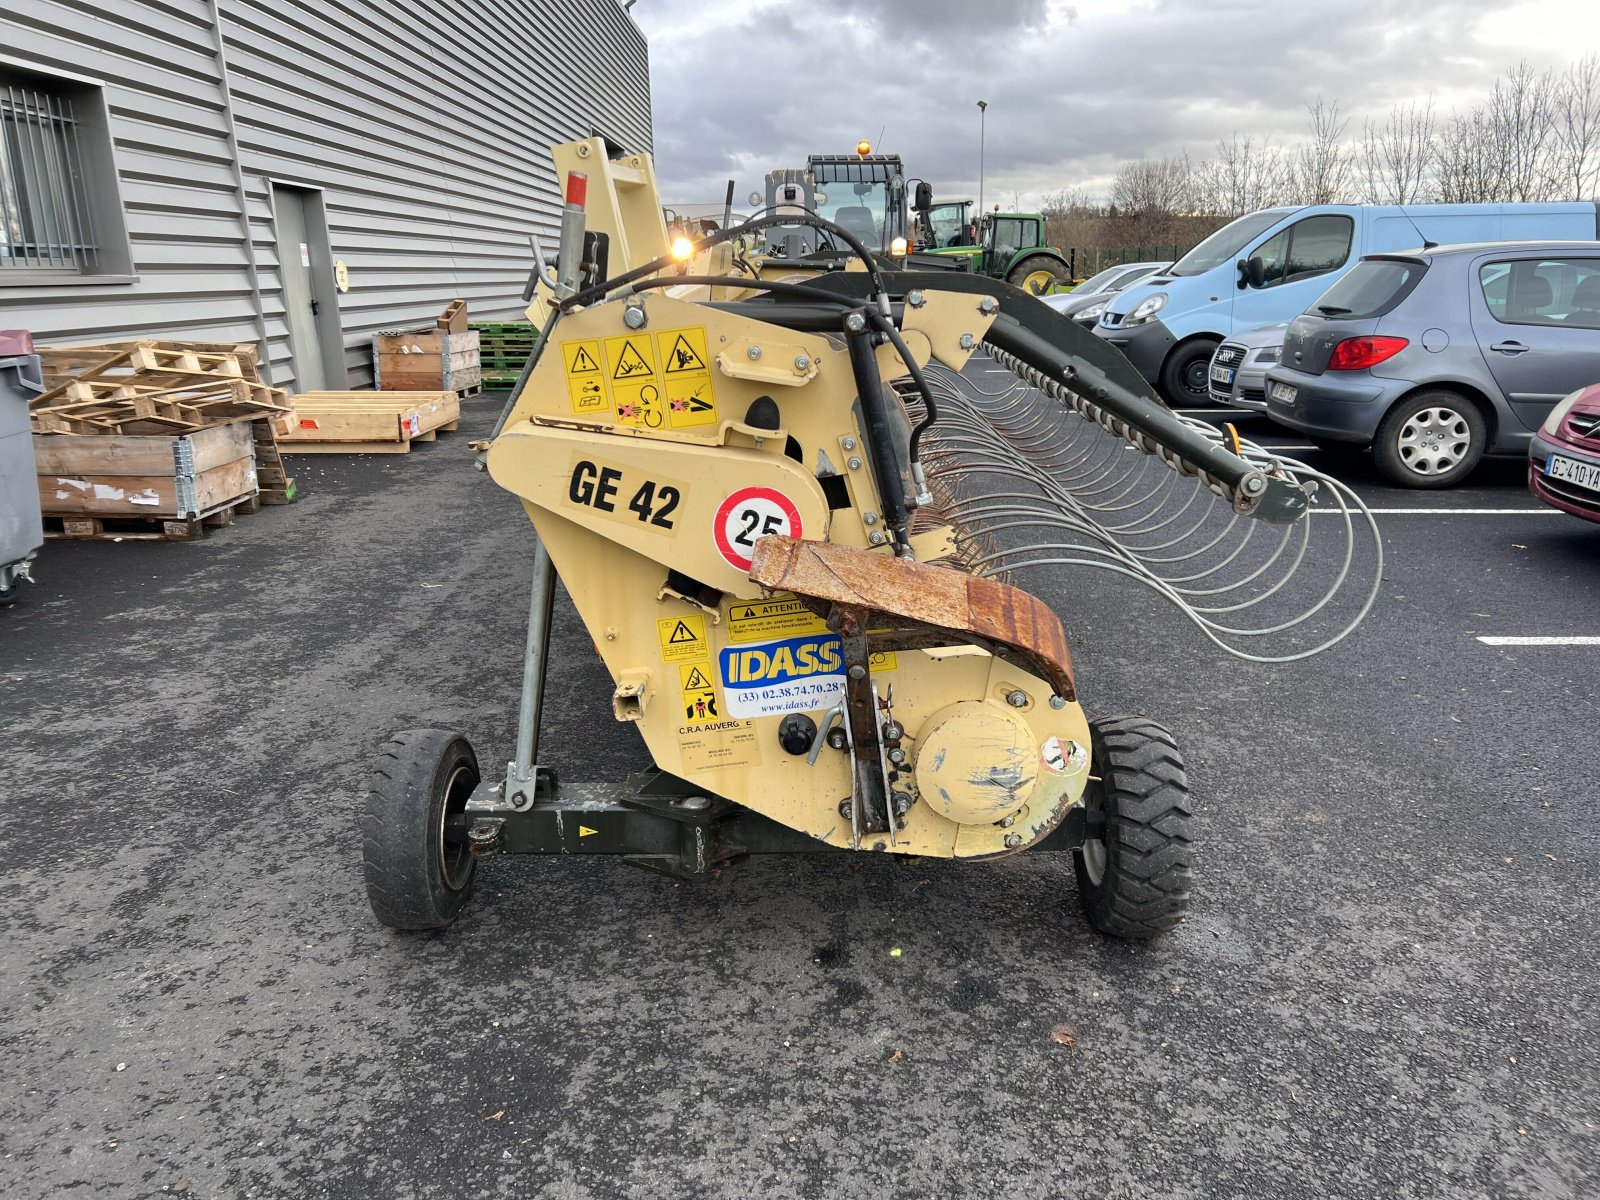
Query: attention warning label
x=760 y=620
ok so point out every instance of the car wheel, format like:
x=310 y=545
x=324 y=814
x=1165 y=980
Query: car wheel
x=1432 y=440
x=1185 y=376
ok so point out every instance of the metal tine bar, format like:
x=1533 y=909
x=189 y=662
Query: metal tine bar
x=1070 y=457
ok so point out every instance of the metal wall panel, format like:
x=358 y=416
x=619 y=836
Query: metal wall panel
x=425 y=123
x=159 y=66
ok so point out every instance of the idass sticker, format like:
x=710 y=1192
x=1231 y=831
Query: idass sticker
x=798 y=674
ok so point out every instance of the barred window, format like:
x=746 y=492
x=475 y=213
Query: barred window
x=45 y=221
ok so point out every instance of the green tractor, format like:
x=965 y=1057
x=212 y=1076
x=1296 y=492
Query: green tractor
x=1007 y=246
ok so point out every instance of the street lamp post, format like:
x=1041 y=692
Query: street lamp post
x=983 y=112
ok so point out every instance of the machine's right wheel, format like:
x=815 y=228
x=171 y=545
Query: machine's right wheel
x=416 y=879
x=1134 y=881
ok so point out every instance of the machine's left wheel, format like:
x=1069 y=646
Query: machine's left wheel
x=416 y=879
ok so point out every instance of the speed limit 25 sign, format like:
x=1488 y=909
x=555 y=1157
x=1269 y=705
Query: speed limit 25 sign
x=749 y=514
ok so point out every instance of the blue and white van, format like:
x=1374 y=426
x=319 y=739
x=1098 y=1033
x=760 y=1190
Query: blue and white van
x=1270 y=265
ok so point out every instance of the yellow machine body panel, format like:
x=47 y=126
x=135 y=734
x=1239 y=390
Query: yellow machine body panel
x=656 y=441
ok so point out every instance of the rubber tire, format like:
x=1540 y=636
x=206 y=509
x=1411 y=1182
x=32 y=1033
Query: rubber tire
x=1144 y=890
x=401 y=829
x=1178 y=364
x=1038 y=262
x=1386 y=448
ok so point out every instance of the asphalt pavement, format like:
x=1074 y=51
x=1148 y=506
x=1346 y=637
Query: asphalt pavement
x=1386 y=986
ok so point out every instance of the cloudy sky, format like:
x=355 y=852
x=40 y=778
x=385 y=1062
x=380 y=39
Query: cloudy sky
x=1074 y=86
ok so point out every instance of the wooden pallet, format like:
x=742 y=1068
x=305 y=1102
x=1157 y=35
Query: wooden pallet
x=150 y=387
x=87 y=528
x=503 y=349
x=369 y=422
x=276 y=485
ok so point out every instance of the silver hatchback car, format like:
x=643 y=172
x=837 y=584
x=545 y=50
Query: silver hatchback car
x=1438 y=356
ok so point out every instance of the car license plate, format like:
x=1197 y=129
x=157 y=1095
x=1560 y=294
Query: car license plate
x=1222 y=375
x=1585 y=475
x=1283 y=393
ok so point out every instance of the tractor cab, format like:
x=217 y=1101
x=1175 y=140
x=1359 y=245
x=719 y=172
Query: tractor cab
x=864 y=193
x=948 y=225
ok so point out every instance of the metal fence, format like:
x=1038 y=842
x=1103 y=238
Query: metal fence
x=44 y=201
x=1093 y=259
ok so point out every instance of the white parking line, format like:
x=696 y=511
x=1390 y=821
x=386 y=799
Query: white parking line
x=1540 y=641
x=1452 y=512
x=1222 y=412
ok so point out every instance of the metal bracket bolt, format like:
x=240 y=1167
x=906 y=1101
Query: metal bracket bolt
x=1007 y=822
x=968 y=341
x=870 y=518
x=855 y=323
x=876 y=537
x=1017 y=698
x=897 y=757
x=854 y=464
x=849 y=443
x=1058 y=702
x=858 y=672
x=633 y=316
x=915 y=298
x=987 y=305
x=753 y=353
x=802 y=362
x=1013 y=840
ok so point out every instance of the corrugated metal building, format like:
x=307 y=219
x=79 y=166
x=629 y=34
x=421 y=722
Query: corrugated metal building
x=197 y=168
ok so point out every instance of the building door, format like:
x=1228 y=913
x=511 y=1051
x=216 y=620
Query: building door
x=309 y=297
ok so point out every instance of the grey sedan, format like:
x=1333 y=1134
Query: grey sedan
x=1087 y=301
x=1438 y=356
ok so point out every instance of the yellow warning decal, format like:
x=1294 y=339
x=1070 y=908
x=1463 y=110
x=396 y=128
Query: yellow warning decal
x=635 y=390
x=683 y=639
x=584 y=831
x=686 y=378
x=760 y=620
x=882 y=660
x=643 y=381
x=699 y=694
x=585 y=384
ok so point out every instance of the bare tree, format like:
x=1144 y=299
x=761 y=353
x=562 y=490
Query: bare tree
x=1521 y=108
x=1470 y=165
x=1320 y=168
x=1246 y=174
x=1147 y=197
x=1576 y=131
x=1397 y=155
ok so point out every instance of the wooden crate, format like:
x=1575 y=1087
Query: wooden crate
x=427 y=360
x=150 y=479
x=368 y=422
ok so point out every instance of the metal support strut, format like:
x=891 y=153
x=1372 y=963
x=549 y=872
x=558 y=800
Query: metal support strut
x=522 y=774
